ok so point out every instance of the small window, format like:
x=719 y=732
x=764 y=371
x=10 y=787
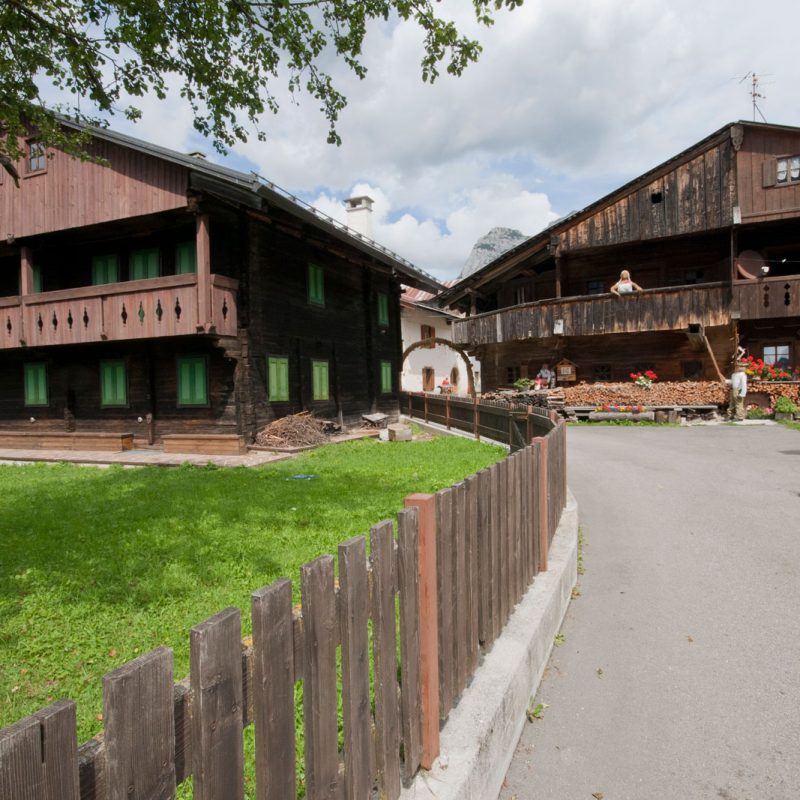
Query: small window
x=428 y=379
x=105 y=269
x=185 y=258
x=595 y=287
x=386 y=377
x=454 y=376
x=192 y=381
x=37 y=158
x=519 y=295
x=512 y=374
x=787 y=170
x=383 y=309
x=113 y=383
x=319 y=380
x=602 y=372
x=37 y=279
x=777 y=354
x=36 y=386
x=144 y=264
x=316 y=285
x=656 y=198
x=692 y=370
x=693 y=276
x=278 y=377
x=427 y=332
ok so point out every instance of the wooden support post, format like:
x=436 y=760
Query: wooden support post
x=734 y=240
x=558 y=275
x=476 y=417
x=447 y=410
x=203 y=271
x=426 y=406
x=544 y=516
x=428 y=625
x=26 y=271
x=528 y=424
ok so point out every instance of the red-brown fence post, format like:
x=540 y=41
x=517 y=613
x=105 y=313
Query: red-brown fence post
x=447 y=410
x=426 y=406
x=476 y=417
x=428 y=626
x=544 y=502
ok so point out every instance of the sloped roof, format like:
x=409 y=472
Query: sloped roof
x=540 y=240
x=253 y=189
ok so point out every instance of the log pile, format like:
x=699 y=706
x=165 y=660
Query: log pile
x=296 y=430
x=667 y=393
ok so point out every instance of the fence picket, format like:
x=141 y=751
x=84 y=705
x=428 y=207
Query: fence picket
x=444 y=560
x=38 y=756
x=273 y=682
x=460 y=589
x=503 y=576
x=484 y=564
x=319 y=679
x=471 y=525
x=494 y=550
x=139 y=728
x=410 y=691
x=384 y=643
x=216 y=680
x=354 y=623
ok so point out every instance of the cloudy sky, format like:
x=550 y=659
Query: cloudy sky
x=570 y=99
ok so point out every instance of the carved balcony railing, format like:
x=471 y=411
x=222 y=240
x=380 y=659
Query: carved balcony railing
x=146 y=309
x=767 y=298
x=673 y=308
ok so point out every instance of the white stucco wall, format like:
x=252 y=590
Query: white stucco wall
x=441 y=359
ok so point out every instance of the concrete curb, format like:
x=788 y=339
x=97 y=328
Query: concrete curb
x=478 y=741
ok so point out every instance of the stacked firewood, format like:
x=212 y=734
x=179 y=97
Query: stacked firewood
x=296 y=430
x=666 y=393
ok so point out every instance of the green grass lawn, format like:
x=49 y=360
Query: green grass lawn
x=100 y=565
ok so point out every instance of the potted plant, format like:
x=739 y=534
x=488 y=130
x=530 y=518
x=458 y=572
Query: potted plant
x=785 y=408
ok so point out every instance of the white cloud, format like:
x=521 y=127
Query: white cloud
x=568 y=101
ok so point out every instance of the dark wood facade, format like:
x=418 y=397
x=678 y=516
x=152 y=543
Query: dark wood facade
x=694 y=232
x=245 y=299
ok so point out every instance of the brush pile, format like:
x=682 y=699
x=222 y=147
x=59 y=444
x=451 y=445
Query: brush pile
x=296 y=430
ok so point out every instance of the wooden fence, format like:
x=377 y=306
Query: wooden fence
x=511 y=423
x=433 y=596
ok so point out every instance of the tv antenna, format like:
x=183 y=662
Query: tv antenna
x=754 y=93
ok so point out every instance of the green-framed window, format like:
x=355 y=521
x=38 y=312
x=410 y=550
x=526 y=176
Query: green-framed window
x=185 y=258
x=386 y=377
x=37 y=279
x=113 y=383
x=192 y=380
x=383 y=309
x=316 y=285
x=320 y=380
x=36 y=385
x=144 y=264
x=105 y=269
x=278 y=378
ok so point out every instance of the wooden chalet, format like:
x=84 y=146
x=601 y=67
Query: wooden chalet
x=156 y=293
x=712 y=237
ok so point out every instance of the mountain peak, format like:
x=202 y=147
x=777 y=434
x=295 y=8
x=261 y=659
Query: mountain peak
x=489 y=247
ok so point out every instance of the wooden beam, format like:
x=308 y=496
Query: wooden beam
x=26 y=271
x=203 y=271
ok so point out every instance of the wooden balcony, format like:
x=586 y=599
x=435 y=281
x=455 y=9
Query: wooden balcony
x=146 y=309
x=767 y=298
x=665 y=309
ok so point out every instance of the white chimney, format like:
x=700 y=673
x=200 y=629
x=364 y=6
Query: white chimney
x=359 y=214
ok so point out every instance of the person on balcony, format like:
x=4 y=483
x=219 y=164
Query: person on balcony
x=625 y=285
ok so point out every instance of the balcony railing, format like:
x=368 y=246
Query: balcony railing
x=767 y=298
x=673 y=308
x=143 y=309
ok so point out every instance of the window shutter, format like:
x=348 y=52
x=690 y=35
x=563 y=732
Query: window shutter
x=192 y=381
x=35 y=384
x=37 y=279
x=319 y=380
x=185 y=258
x=769 y=172
x=386 y=377
x=144 y=264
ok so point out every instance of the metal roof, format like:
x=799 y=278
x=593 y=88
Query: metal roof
x=253 y=183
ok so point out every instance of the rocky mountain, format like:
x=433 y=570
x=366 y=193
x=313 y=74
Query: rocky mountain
x=489 y=247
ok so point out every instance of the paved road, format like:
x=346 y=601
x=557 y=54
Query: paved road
x=679 y=674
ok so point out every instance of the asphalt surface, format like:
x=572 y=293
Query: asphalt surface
x=679 y=672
